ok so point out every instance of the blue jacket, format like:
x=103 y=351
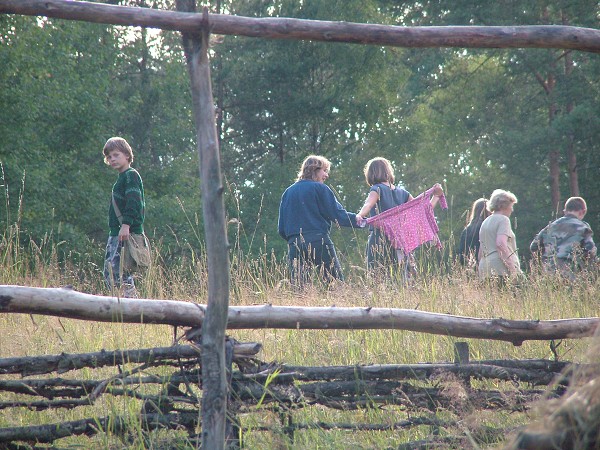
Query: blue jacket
x=308 y=207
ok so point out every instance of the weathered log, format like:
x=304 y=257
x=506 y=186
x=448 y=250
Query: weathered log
x=402 y=424
x=72 y=304
x=75 y=399
x=51 y=388
x=363 y=394
x=529 y=364
x=61 y=387
x=344 y=395
x=90 y=427
x=405 y=371
x=541 y=36
x=36 y=365
x=71 y=388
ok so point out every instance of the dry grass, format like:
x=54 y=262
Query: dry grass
x=571 y=422
x=262 y=280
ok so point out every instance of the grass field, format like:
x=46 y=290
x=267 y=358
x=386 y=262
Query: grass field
x=260 y=280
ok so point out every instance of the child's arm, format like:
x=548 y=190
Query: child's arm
x=369 y=204
x=437 y=192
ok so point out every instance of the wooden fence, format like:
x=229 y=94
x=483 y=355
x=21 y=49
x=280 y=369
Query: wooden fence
x=166 y=382
x=195 y=29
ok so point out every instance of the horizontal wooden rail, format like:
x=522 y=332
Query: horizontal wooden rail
x=35 y=365
x=534 y=36
x=92 y=426
x=68 y=303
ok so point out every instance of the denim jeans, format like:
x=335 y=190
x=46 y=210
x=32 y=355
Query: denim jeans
x=112 y=266
x=317 y=253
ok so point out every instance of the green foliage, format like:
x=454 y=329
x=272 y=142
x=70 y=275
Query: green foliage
x=54 y=101
x=471 y=119
x=513 y=106
x=62 y=103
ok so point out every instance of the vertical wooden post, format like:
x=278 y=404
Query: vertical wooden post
x=461 y=356
x=214 y=383
x=461 y=353
x=287 y=421
x=232 y=428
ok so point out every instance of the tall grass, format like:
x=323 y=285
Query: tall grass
x=261 y=278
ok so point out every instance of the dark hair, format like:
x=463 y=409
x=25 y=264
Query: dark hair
x=378 y=170
x=120 y=144
x=575 y=204
x=478 y=212
x=310 y=165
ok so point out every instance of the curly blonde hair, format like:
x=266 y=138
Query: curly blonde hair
x=310 y=165
x=501 y=199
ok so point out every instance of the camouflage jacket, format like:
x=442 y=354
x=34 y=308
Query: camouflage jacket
x=566 y=240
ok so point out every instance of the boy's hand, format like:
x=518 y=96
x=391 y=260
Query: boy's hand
x=124 y=232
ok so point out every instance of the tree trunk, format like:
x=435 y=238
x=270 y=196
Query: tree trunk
x=571 y=154
x=553 y=154
x=553 y=160
x=572 y=161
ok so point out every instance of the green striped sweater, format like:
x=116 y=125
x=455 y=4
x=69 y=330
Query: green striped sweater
x=128 y=192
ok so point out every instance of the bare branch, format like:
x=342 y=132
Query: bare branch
x=69 y=303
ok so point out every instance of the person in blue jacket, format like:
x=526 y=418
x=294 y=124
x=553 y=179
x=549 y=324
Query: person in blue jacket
x=307 y=209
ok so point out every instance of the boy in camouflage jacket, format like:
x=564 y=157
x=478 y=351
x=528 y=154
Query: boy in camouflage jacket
x=566 y=245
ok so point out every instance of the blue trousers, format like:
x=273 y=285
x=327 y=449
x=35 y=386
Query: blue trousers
x=317 y=253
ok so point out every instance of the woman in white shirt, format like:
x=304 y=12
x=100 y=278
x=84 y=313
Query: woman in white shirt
x=498 y=248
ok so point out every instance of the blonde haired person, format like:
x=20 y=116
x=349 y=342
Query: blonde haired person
x=498 y=255
x=307 y=209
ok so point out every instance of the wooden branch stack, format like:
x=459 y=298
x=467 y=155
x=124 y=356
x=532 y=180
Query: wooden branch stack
x=171 y=401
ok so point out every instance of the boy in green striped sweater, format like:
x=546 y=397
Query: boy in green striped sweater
x=125 y=213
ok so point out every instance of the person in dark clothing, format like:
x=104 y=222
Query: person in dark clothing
x=468 y=247
x=307 y=209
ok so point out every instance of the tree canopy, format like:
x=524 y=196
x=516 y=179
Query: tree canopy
x=525 y=120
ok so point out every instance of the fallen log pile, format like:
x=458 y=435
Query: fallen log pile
x=166 y=382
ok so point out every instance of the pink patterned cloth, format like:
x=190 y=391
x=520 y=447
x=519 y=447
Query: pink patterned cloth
x=411 y=224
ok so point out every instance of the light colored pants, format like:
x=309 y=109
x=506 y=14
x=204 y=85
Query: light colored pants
x=112 y=267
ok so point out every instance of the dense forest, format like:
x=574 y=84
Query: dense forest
x=525 y=120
